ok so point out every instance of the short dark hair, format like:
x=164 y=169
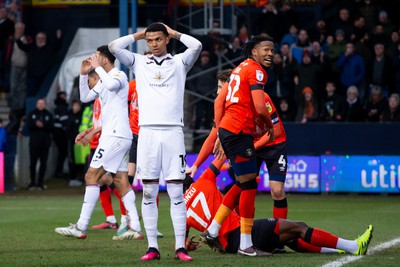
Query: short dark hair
x=223 y=75
x=157 y=27
x=104 y=51
x=248 y=47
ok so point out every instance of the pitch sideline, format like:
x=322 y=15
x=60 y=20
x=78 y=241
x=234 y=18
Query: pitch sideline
x=349 y=259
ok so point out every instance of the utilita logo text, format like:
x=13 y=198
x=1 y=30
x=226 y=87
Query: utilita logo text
x=381 y=178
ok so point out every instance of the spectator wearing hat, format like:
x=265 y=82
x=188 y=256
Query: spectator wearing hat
x=383 y=19
x=308 y=107
x=306 y=76
x=352 y=68
x=334 y=51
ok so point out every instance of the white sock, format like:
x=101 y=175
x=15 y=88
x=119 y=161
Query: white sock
x=111 y=219
x=213 y=229
x=150 y=213
x=329 y=250
x=245 y=241
x=350 y=246
x=129 y=200
x=178 y=213
x=92 y=194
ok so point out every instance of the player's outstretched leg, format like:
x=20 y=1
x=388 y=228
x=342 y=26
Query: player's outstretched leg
x=212 y=242
x=364 y=240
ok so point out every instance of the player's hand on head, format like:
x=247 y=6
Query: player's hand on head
x=170 y=31
x=86 y=67
x=95 y=60
x=191 y=171
x=192 y=245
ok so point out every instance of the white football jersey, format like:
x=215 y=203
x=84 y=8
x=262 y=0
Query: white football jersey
x=112 y=92
x=160 y=84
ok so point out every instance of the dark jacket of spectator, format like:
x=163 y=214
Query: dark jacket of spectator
x=332 y=108
x=352 y=69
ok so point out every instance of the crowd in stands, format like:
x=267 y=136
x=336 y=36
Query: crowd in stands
x=344 y=68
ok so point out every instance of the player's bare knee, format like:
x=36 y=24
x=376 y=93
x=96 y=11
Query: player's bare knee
x=277 y=193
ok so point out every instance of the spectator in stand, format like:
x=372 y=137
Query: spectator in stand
x=369 y=10
x=244 y=34
x=392 y=112
x=319 y=32
x=6 y=31
x=308 y=107
x=380 y=71
x=270 y=21
x=329 y=41
x=288 y=16
x=286 y=109
x=352 y=68
x=18 y=61
x=280 y=79
x=383 y=19
x=297 y=49
x=334 y=51
x=204 y=85
x=343 y=22
x=72 y=129
x=287 y=58
x=353 y=108
x=234 y=50
x=292 y=36
x=332 y=106
x=60 y=115
x=396 y=68
x=40 y=124
x=306 y=76
x=393 y=44
x=321 y=59
x=360 y=30
x=378 y=36
x=375 y=105
x=41 y=58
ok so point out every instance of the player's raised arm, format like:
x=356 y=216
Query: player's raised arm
x=118 y=48
x=86 y=95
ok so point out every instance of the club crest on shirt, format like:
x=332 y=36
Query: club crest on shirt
x=259 y=75
x=159 y=77
x=249 y=152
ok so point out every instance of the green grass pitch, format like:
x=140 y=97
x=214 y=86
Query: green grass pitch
x=28 y=219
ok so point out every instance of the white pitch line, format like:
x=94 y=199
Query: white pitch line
x=349 y=259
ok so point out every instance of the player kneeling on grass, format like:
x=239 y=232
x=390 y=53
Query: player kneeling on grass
x=203 y=199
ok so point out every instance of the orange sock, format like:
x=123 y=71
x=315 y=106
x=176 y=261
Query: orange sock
x=247 y=210
x=105 y=200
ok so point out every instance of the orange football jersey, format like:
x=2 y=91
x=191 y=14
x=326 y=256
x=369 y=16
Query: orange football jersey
x=202 y=202
x=239 y=106
x=96 y=122
x=260 y=129
x=133 y=108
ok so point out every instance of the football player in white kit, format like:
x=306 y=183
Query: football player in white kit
x=160 y=82
x=111 y=154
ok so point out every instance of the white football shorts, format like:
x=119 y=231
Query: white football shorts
x=161 y=150
x=112 y=154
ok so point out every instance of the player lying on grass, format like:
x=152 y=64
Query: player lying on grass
x=203 y=199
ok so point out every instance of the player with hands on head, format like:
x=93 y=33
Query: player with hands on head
x=160 y=80
x=111 y=154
